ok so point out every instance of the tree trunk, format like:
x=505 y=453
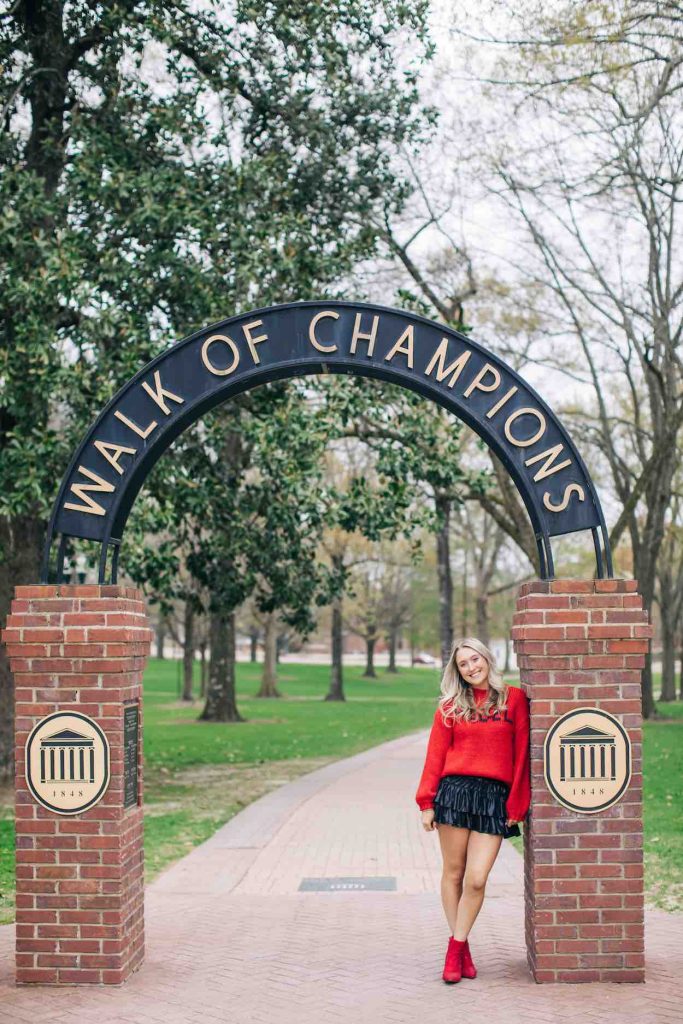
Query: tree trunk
x=646 y=548
x=465 y=628
x=443 y=563
x=506 y=666
x=393 y=640
x=483 y=618
x=253 y=645
x=336 y=691
x=670 y=579
x=370 y=642
x=21 y=542
x=221 y=704
x=645 y=574
x=161 y=637
x=668 y=690
x=205 y=669
x=680 y=678
x=188 y=651
x=269 y=674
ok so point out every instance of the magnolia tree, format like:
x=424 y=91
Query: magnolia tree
x=164 y=165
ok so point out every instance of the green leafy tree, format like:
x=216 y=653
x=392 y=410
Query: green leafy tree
x=162 y=164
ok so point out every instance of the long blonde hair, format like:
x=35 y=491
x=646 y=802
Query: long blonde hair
x=457 y=700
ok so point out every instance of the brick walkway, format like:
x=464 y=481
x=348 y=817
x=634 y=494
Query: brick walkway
x=230 y=938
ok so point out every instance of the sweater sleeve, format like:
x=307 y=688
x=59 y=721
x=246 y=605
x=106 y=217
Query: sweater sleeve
x=437 y=747
x=519 y=797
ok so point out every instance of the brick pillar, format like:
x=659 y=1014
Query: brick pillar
x=582 y=643
x=80 y=882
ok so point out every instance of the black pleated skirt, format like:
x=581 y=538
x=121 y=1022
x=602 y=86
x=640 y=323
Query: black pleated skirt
x=473 y=801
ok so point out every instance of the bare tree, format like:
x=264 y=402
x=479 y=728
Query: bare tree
x=484 y=540
x=583 y=143
x=587 y=45
x=363 y=616
x=395 y=597
x=447 y=278
x=341 y=549
x=670 y=599
x=596 y=185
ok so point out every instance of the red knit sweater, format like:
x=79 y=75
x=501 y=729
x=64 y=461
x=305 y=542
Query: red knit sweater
x=497 y=747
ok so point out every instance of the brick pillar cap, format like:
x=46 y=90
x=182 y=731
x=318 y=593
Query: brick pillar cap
x=34 y=590
x=574 y=586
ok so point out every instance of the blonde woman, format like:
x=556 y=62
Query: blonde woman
x=475 y=785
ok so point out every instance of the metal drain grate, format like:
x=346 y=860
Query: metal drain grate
x=385 y=883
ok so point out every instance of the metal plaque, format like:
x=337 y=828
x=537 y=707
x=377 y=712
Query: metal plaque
x=384 y=883
x=587 y=760
x=131 y=719
x=67 y=762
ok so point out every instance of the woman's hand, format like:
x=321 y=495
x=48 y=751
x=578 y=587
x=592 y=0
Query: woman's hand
x=512 y=821
x=428 y=822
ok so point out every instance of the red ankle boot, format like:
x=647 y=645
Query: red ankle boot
x=452 y=969
x=468 y=968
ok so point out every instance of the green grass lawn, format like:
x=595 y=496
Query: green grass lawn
x=199 y=774
x=299 y=725
x=663 y=806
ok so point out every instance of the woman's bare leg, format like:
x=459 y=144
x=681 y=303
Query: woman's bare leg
x=482 y=851
x=453 y=842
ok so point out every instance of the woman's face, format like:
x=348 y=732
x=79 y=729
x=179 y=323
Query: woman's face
x=473 y=667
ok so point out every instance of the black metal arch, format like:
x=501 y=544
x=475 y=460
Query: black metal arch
x=232 y=356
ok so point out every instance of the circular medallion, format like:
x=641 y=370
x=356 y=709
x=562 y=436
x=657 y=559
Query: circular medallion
x=587 y=760
x=67 y=762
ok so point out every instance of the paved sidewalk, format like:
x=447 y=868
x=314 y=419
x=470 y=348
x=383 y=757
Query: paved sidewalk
x=231 y=939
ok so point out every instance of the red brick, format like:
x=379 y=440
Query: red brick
x=35 y=590
x=572 y=586
x=543 y=601
x=57 y=931
x=603 y=661
x=83 y=618
x=81 y=916
x=110 y=961
x=100 y=842
x=79 y=976
x=34 y=827
x=96 y=931
x=627 y=646
x=36 y=945
x=80 y=945
x=601 y=900
x=36 y=976
x=617 y=631
x=114 y=977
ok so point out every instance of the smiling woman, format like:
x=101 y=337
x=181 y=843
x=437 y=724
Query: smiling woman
x=475 y=785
